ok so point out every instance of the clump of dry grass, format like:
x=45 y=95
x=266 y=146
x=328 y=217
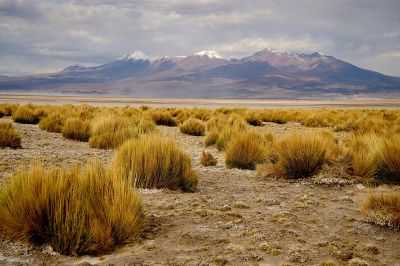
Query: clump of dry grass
x=253 y=119
x=152 y=161
x=76 y=129
x=25 y=115
x=246 y=150
x=207 y=159
x=110 y=131
x=52 y=123
x=6 y=109
x=192 y=127
x=162 y=118
x=76 y=211
x=299 y=154
x=382 y=209
x=211 y=138
x=389 y=160
x=9 y=136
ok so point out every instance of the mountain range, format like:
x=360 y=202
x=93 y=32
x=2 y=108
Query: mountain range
x=206 y=74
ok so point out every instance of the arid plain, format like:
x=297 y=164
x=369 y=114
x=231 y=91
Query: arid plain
x=285 y=186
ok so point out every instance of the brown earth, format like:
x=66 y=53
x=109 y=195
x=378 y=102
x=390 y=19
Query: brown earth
x=235 y=217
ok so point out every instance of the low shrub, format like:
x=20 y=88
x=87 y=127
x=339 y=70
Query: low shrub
x=163 y=118
x=52 y=123
x=9 y=136
x=192 y=127
x=76 y=211
x=299 y=154
x=152 y=161
x=207 y=159
x=382 y=209
x=246 y=150
x=76 y=129
x=25 y=115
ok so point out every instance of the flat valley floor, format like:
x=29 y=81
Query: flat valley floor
x=235 y=218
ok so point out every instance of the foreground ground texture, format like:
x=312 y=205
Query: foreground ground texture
x=235 y=217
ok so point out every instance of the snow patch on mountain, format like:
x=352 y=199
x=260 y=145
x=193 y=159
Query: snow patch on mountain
x=134 y=55
x=210 y=54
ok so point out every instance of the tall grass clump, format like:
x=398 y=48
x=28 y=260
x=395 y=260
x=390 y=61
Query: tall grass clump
x=254 y=119
x=76 y=211
x=246 y=150
x=389 y=160
x=299 y=154
x=207 y=159
x=152 y=161
x=192 y=127
x=382 y=209
x=162 y=118
x=52 y=123
x=7 y=109
x=110 y=131
x=76 y=129
x=9 y=137
x=25 y=115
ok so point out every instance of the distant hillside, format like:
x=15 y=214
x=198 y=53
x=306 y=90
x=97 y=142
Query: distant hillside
x=266 y=74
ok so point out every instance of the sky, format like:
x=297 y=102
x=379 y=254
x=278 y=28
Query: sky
x=46 y=36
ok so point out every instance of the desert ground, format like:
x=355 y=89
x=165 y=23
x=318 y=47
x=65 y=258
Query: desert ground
x=236 y=217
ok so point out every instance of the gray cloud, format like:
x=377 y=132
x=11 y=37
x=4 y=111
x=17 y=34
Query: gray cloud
x=37 y=36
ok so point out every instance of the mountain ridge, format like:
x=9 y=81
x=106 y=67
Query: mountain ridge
x=265 y=74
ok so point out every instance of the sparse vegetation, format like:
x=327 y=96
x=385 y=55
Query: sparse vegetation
x=207 y=159
x=382 y=209
x=111 y=131
x=192 y=127
x=75 y=211
x=246 y=151
x=152 y=161
x=76 y=129
x=25 y=115
x=163 y=118
x=9 y=137
x=299 y=154
x=52 y=123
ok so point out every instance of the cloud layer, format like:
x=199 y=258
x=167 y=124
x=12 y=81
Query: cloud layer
x=43 y=36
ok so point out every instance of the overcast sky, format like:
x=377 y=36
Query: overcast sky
x=46 y=36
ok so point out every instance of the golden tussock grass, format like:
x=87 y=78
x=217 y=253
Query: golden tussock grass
x=192 y=127
x=382 y=209
x=246 y=150
x=76 y=129
x=6 y=109
x=74 y=210
x=299 y=154
x=110 y=131
x=207 y=159
x=52 y=123
x=152 y=161
x=162 y=118
x=25 y=115
x=9 y=137
x=389 y=160
x=253 y=119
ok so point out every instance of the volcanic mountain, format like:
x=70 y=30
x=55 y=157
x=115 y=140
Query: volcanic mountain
x=206 y=74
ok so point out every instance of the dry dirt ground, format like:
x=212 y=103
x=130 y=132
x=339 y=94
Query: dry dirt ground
x=235 y=218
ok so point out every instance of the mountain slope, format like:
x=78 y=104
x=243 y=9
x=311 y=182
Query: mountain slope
x=267 y=74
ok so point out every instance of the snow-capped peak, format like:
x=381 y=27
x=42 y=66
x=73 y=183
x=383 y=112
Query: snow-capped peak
x=210 y=54
x=135 y=55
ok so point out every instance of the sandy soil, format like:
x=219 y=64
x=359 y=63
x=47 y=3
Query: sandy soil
x=235 y=218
